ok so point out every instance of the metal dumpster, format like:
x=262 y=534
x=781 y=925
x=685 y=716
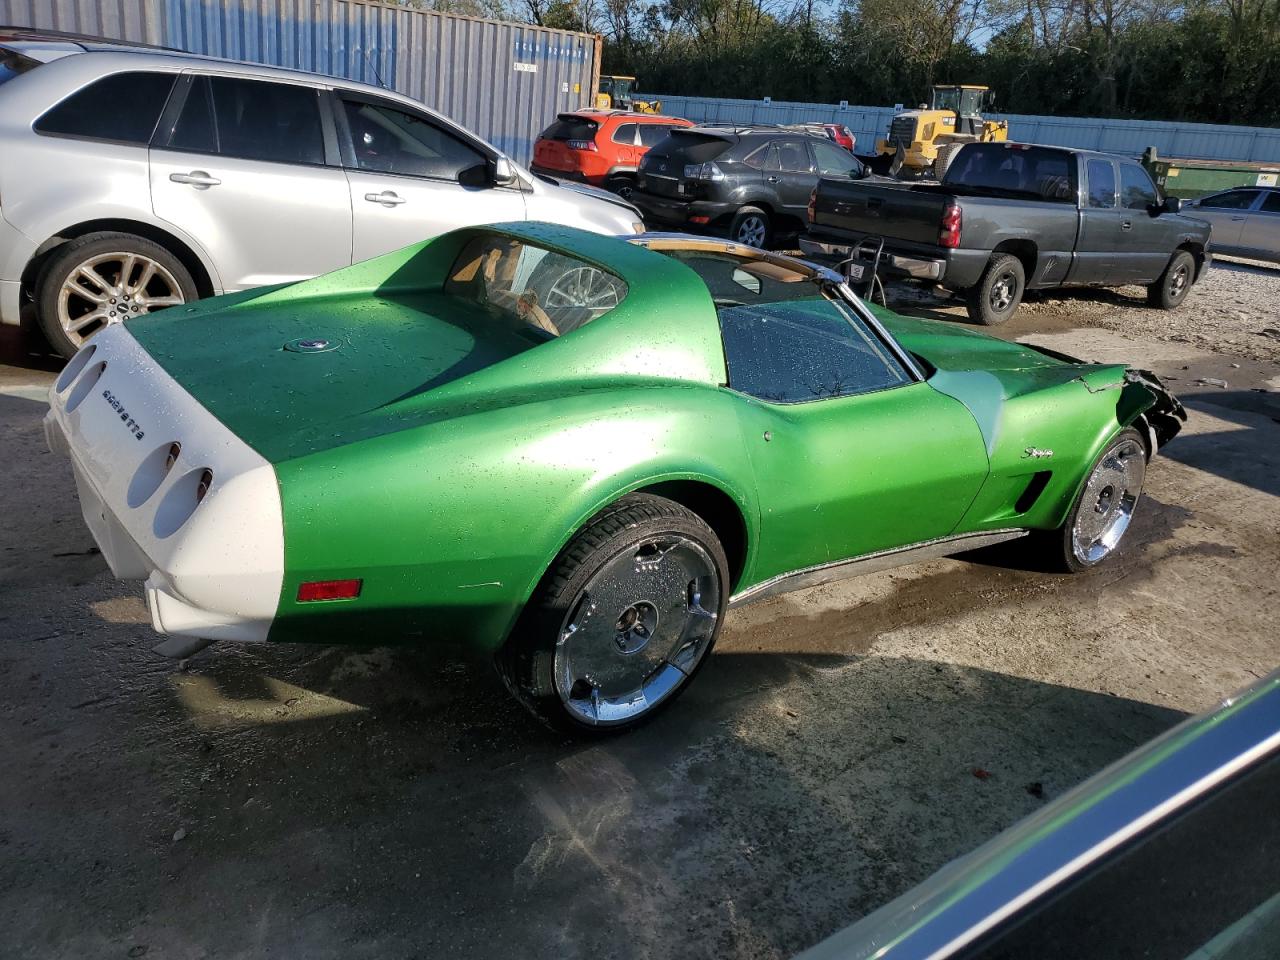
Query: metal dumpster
x=1190 y=178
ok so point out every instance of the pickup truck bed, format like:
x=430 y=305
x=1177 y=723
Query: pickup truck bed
x=1048 y=216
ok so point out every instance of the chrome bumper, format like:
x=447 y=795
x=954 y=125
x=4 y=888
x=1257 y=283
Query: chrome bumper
x=920 y=269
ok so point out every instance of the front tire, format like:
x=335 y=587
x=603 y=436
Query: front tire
x=1105 y=505
x=998 y=292
x=105 y=278
x=622 y=621
x=751 y=226
x=1175 y=283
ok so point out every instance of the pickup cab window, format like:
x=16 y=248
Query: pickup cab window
x=1137 y=192
x=1102 y=184
x=1036 y=173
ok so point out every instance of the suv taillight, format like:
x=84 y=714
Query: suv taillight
x=949 y=235
x=582 y=145
x=813 y=205
x=703 y=171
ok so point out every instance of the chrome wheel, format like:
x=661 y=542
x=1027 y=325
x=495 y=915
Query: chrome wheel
x=637 y=630
x=111 y=287
x=1107 y=502
x=1003 y=290
x=584 y=288
x=752 y=230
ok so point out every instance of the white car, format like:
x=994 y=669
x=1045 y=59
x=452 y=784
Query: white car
x=134 y=178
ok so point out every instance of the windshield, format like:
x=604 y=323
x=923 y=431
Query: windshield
x=535 y=292
x=13 y=63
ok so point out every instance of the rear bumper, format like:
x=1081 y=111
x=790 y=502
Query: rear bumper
x=959 y=269
x=10 y=301
x=213 y=567
x=671 y=210
x=16 y=251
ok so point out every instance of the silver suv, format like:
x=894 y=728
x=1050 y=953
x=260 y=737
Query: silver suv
x=135 y=178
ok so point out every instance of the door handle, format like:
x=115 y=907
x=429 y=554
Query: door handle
x=1237 y=219
x=1126 y=224
x=196 y=178
x=773 y=179
x=388 y=198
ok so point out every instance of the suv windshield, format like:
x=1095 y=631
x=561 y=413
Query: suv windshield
x=13 y=63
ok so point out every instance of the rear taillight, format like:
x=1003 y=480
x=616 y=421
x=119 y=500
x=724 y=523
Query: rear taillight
x=589 y=145
x=813 y=205
x=329 y=590
x=949 y=235
x=703 y=171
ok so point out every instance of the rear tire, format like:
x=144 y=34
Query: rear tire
x=623 y=186
x=1175 y=283
x=998 y=292
x=105 y=278
x=751 y=226
x=623 y=620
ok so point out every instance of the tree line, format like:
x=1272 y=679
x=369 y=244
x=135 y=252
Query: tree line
x=1211 y=61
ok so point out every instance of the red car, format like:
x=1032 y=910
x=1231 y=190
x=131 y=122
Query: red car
x=837 y=133
x=600 y=147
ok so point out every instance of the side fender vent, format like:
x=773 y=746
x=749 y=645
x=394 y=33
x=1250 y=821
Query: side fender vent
x=1031 y=494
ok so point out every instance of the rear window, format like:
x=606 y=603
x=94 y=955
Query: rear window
x=691 y=147
x=1036 y=173
x=531 y=291
x=652 y=133
x=569 y=127
x=13 y=63
x=96 y=111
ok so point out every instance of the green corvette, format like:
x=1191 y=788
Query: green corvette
x=572 y=453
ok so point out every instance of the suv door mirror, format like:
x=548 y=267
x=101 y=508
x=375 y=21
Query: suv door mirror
x=1171 y=205
x=504 y=174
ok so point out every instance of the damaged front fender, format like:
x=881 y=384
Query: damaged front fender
x=1149 y=399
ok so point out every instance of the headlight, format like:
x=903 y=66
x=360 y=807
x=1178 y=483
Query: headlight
x=638 y=227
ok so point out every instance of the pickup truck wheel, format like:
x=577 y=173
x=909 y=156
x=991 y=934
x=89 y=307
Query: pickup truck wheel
x=751 y=226
x=1175 y=283
x=622 y=621
x=998 y=293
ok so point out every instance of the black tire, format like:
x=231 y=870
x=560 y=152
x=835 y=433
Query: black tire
x=622 y=184
x=998 y=292
x=71 y=256
x=752 y=226
x=1175 y=283
x=1059 y=545
x=529 y=661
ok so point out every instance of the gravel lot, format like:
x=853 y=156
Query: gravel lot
x=1234 y=311
x=843 y=743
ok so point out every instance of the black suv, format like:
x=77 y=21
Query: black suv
x=753 y=181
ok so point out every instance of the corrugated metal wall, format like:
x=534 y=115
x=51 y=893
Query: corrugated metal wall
x=505 y=81
x=1130 y=137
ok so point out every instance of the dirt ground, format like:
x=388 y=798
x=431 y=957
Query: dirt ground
x=842 y=744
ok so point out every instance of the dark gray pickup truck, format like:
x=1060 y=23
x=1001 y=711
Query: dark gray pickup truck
x=1010 y=217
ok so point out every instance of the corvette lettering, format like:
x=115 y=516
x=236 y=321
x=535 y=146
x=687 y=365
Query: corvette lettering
x=116 y=405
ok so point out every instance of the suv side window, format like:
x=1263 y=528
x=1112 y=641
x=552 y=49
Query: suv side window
x=651 y=133
x=387 y=140
x=625 y=134
x=832 y=161
x=122 y=107
x=1231 y=200
x=1137 y=192
x=251 y=120
x=1102 y=184
x=766 y=158
x=793 y=157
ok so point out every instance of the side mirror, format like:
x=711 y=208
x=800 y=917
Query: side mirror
x=504 y=174
x=1171 y=205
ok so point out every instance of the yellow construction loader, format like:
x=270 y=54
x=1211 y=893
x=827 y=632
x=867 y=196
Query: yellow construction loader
x=921 y=142
x=616 y=93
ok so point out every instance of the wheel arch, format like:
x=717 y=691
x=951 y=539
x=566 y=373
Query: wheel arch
x=1026 y=251
x=1197 y=251
x=201 y=272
